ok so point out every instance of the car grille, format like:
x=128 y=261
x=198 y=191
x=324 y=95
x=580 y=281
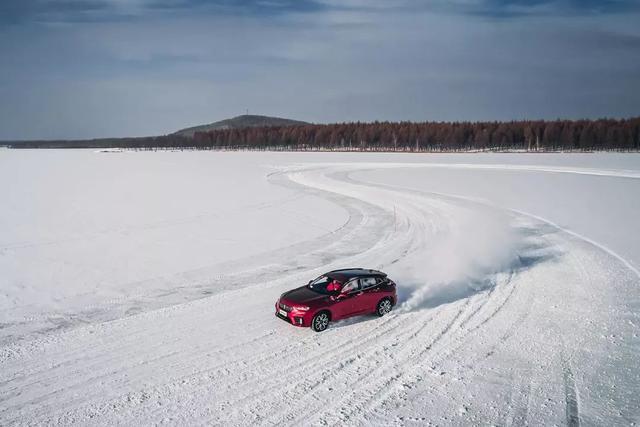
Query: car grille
x=284 y=307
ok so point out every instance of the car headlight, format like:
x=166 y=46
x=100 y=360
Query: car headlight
x=301 y=308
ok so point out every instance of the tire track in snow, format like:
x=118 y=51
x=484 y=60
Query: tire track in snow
x=519 y=401
x=572 y=407
x=407 y=381
x=282 y=354
x=571 y=396
x=204 y=382
x=354 y=236
x=429 y=347
x=359 y=401
x=396 y=379
x=375 y=361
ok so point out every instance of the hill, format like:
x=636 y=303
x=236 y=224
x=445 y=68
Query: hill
x=241 y=122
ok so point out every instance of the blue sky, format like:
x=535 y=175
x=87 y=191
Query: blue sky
x=99 y=68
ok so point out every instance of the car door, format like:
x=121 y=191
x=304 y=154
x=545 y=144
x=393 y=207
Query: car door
x=371 y=294
x=348 y=303
x=361 y=298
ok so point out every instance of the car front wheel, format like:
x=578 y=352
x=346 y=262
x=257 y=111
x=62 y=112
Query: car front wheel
x=384 y=307
x=320 y=321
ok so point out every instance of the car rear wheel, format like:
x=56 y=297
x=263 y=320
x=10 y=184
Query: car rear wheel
x=320 y=321
x=384 y=307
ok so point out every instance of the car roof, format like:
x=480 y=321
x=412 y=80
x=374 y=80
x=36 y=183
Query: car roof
x=347 y=274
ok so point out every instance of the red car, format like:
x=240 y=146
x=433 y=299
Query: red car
x=337 y=295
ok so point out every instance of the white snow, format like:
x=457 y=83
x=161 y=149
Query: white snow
x=95 y=235
x=139 y=288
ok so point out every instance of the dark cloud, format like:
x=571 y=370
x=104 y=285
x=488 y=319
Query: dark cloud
x=17 y=12
x=516 y=8
x=48 y=11
x=26 y=11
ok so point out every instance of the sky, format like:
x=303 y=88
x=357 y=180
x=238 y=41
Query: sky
x=109 y=68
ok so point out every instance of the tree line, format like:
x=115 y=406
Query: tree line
x=557 y=135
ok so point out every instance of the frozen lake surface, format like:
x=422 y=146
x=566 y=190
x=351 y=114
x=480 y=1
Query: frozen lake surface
x=139 y=287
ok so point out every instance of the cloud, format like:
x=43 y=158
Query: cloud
x=494 y=8
x=18 y=12
x=118 y=68
x=15 y=12
x=515 y=8
x=68 y=11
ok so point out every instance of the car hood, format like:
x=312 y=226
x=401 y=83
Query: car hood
x=303 y=295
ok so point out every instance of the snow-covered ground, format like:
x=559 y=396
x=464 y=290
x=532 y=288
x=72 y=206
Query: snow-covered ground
x=139 y=288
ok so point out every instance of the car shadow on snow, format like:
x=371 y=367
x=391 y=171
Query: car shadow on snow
x=353 y=321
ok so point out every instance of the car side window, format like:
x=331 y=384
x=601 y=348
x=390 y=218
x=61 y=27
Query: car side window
x=368 y=282
x=352 y=286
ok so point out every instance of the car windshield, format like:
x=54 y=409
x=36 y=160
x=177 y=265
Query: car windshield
x=320 y=285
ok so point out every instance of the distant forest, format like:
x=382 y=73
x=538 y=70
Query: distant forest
x=559 y=135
